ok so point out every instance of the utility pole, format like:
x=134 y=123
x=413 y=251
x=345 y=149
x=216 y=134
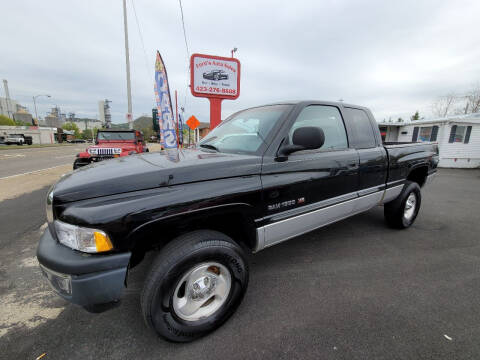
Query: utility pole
x=35 y=104
x=7 y=98
x=127 y=60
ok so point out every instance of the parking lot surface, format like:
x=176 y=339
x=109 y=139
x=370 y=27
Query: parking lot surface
x=352 y=290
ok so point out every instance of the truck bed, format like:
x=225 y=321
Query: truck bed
x=404 y=156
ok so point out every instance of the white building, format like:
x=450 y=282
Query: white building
x=40 y=135
x=458 y=137
x=84 y=123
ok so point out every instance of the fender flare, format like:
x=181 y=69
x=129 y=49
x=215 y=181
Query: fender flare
x=232 y=208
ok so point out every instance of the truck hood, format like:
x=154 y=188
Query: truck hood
x=123 y=145
x=151 y=170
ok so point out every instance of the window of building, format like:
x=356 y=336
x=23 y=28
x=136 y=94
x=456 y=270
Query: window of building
x=383 y=132
x=426 y=133
x=328 y=119
x=460 y=134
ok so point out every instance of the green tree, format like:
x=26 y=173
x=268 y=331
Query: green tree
x=87 y=134
x=415 y=116
x=400 y=120
x=5 y=120
x=70 y=127
x=22 y=123
x=147 y=133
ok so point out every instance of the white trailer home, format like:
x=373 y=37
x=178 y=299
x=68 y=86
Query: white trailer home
x=458 y=137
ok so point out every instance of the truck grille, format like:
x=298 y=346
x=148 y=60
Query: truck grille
x=104 y=152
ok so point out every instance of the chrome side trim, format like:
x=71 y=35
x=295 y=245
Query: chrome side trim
x=392 y=183
x=371 y=190
x=365 y=203
x=260 y=244
x=289 y=228
x=391 y=193
x=430 y=178
x=310 y=207
x=283 y=230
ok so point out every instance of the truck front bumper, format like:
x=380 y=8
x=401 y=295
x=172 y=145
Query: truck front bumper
x=83 y=279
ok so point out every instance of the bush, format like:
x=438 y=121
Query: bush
x=72 y=126
x=5 y=120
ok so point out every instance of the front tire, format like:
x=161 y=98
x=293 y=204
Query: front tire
x=80 y=163
x=195 y=284
x=402 y=212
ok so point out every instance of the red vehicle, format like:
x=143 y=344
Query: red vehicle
x=111 y=144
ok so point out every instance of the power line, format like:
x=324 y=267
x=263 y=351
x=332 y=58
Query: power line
x=147 y=67
x=184 y=32
x=188 y=52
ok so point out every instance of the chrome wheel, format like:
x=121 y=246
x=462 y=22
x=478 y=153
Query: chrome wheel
x=410 y=206
x=202 y=291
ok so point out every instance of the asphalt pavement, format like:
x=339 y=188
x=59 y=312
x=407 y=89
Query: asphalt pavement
x=26 y=160
x=352 y=290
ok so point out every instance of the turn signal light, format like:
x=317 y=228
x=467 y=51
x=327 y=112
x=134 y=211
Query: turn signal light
x=102 y=242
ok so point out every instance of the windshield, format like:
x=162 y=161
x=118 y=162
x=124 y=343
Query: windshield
x=244 y=132
x=106 y=135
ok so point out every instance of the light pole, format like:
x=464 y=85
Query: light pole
x=234 y=50
x=35 y=104
x=127 y=60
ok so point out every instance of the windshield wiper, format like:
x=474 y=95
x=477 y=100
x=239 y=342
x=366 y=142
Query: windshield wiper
x=208 y=146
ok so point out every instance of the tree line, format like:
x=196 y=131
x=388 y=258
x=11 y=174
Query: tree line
x=457 y=104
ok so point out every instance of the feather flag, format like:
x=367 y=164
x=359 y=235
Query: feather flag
x=168 y=134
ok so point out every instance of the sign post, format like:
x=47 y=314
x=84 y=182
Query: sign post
x=215 y=78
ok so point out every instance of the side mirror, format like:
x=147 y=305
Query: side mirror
x=304 y=138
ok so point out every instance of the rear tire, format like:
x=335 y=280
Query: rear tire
x=402 y=212
x=179 y=299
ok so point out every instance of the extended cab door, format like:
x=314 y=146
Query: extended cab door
x=309 y=180
x=365 y=138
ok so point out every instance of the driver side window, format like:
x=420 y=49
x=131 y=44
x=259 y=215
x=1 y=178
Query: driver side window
x=328 y=119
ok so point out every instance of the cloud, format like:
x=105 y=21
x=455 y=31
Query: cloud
x=394 y=57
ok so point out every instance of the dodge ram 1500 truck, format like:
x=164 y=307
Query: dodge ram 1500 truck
x=264 y=175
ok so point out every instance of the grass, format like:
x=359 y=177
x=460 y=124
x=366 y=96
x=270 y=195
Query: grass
x=33 y=146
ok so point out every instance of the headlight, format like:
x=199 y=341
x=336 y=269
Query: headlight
x=82 y=239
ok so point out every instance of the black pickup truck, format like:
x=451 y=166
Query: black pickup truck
x=265 y=175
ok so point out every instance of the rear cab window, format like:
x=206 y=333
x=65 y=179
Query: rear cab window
x=363 y=136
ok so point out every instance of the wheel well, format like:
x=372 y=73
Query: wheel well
x=418 y=175
x=233 y=224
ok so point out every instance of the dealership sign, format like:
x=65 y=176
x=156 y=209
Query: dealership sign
x=216 y=78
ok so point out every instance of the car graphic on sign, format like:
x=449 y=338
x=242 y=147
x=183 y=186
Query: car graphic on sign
x=215 y=75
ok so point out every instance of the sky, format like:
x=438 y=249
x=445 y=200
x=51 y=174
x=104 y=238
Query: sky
x=394 y=57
